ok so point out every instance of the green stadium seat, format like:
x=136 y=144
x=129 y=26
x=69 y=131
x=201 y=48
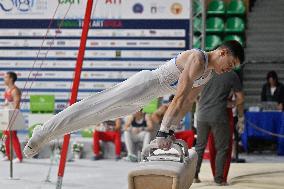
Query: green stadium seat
x=196 y=42
x=216 y=7
x=235 y=37
x=214 y=25
x=212 y=42
x=236 y=7
x=196 y=7
x=197 y=24
x=235 y=25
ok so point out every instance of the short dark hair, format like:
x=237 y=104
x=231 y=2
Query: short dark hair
x=235 y=48
x=171 y=98
x=12 y=75
x=272 y=74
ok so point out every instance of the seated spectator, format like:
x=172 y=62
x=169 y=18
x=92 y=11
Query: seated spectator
x=180 y=132
x=108 y=131
x=137 y=129
x=273 y=90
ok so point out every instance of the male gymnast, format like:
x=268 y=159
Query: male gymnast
x=183 y=76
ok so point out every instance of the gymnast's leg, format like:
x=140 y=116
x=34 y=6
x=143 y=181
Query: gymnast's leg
x=120 y=100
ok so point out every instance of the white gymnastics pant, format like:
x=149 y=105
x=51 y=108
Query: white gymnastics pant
x=120 y=100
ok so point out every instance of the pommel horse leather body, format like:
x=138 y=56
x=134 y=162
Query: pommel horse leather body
x=164 y=170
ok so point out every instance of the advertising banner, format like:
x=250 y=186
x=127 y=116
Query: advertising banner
x=106 y=9
x=125 y=37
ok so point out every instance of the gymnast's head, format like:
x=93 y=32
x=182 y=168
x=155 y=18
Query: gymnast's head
x=230 y=54
x=10 y=78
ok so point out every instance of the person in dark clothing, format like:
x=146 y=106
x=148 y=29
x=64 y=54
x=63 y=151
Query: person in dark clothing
x=273 y=90
x=213 y=116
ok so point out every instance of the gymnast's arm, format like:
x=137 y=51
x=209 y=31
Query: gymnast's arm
x=17 y=98
x=127 y=126
x=185 y=95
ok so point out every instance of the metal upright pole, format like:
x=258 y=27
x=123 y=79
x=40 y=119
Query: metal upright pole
x=11 y=154
x=76 y=82
x=191 y=19
x=203 y=29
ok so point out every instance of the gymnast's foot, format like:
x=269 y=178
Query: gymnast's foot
x=35 y=143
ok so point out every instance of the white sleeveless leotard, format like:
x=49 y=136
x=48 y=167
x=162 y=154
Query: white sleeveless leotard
x=169 y=74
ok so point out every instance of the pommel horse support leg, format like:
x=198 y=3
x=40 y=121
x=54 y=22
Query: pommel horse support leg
x=164 y=170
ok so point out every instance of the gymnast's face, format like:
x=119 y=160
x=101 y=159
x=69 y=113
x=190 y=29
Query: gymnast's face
x=7 y=79
x=226 y=61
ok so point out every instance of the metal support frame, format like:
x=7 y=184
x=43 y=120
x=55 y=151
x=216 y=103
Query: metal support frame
x=74 y=93
x=201 y=35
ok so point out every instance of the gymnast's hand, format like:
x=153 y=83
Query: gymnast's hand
x=165 y=139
